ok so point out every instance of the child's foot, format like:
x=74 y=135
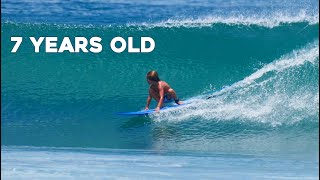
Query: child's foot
x=178 y=102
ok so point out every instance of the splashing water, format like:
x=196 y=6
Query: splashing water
x=282 y=92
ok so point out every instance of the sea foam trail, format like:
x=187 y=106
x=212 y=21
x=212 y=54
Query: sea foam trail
x=282 y=92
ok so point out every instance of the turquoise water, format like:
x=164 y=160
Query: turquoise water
x=264 y=57
x=60 y=96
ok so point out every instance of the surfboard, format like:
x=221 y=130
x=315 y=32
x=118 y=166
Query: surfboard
x=151 y=111
x=208 y=95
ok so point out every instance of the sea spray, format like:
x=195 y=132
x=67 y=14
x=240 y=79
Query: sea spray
x=284 y=91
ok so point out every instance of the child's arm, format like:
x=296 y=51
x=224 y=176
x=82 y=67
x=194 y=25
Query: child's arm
x=148 y=102
x=161 y=93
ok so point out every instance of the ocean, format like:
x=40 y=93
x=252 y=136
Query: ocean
x=260 y=58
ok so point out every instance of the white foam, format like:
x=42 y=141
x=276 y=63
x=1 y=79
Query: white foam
x=264 y=96
x=74 y=163
x=265 y=20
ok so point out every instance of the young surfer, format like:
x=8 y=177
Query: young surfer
x=160 y=91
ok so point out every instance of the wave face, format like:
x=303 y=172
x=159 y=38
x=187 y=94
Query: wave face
x=267 y=66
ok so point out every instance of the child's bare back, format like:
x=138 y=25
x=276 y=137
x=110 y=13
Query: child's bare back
x=161 y=84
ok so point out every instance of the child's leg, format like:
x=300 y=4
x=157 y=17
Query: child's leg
x=174 y=95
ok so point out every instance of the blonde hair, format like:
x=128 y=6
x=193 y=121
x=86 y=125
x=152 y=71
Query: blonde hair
x=153 y=76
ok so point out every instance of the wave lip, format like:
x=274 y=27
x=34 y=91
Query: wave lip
x=276 y=19
x=265 y=20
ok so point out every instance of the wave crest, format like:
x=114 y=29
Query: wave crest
x=264 y=20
